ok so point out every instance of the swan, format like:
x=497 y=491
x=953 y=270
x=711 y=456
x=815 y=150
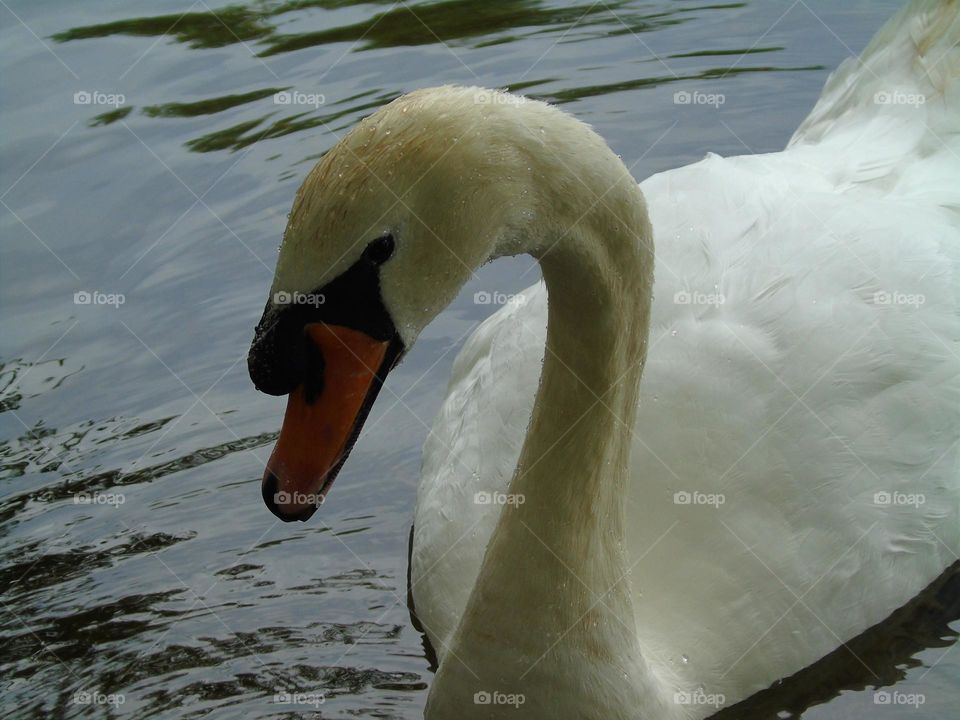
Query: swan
x=661 y=479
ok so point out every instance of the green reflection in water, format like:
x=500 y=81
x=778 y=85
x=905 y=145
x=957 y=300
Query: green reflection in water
x=714 y=53
x=401 y=25
x=564 y=96
x=208 y=107
x=244 y=134
x=234 y=137
x=110 y=117
x=449 y=21
x=441 y=22
x=226 y=26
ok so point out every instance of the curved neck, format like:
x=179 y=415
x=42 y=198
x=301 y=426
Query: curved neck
x=553 y=584
x=573 y=467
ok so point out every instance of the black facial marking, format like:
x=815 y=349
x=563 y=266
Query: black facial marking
x=281 y=356
x=380 y=250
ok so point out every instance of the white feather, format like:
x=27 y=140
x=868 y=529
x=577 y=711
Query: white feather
x=815 y=368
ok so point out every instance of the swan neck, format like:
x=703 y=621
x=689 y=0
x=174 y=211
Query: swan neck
x=573 y=468
x=554 y=577
x=576 y=452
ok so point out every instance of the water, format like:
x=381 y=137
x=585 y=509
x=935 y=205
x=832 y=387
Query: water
x=175 y=591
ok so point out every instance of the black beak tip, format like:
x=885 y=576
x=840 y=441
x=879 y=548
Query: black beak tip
x=268 y=489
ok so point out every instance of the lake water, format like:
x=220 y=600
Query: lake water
x=147 y=171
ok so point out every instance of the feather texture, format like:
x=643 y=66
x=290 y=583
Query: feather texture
x=795 y=470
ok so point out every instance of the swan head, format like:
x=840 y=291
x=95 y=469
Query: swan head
x=384 y=232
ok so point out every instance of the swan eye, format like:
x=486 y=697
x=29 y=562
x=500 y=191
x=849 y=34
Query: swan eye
x=379 y=250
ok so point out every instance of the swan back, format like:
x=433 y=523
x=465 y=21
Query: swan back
x=886 y=121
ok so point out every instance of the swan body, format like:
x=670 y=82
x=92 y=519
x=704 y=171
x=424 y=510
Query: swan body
x=803 y=370
x=727 y=443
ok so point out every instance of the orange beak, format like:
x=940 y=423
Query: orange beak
x=319 y=428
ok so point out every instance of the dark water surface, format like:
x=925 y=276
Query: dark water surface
x=141 y=574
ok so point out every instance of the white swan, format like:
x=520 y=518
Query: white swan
x=791 y=474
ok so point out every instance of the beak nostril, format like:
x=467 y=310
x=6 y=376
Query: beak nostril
x=269 y=488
